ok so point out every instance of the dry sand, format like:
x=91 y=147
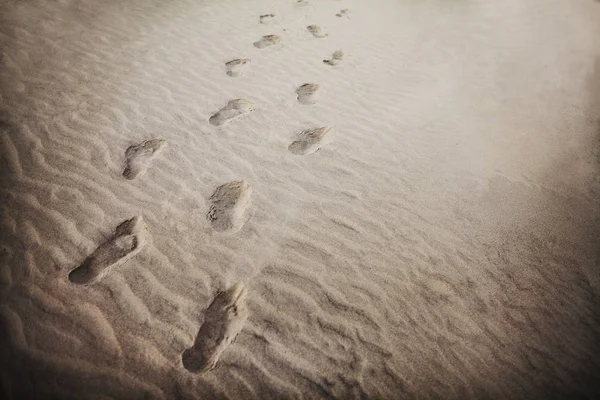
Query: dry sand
x=444 y=244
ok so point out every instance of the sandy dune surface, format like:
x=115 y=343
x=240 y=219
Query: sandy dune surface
x=437 y=239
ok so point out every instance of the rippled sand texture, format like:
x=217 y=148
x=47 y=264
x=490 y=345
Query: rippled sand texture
x=444 y=245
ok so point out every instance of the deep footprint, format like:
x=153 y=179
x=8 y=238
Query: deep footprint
x=307 y=93
x=223 y=321
x=336 y=58
x=236 y=67
x=268 y=40
x=138 y=157
x=233 y=110
x=267 y=18
x=316 y=31
x=229 y=202
x=127 y=241
x=311 y=140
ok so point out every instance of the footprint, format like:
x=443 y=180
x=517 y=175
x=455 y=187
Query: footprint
x=127 y=241
x=311 y=140
x=301 y=2
x=236 y=67
x=268 y=40
x=316 y=31
x=336 y=58
x=223 y=321
x=267 y=18
x=138 y=157
x=229 y=202
x=233 y=110
x=343 y=13
x=307 y=93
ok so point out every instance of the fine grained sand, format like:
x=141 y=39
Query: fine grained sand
x=444 y=245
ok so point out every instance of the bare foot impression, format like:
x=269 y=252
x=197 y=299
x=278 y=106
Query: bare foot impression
x=229 y=202
x=138 y=157
x=236 y=67
x=343 y=13
x=267 y=18
x=223 y=320
x=266 y=41
x=307 y=93
x=127 y=241
x=233 y=110
x=316 y=31
x=336 y=58
x=311 y=140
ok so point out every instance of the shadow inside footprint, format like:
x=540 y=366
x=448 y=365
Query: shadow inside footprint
x=138 y=157
x=336 y=58
x=311 y=140
x=223 y=321
x=266 y=41
x=233 y=110
x=267 y=18
x=343 y=13
x=307 y=93
x=236 y=67
x=228 y=204
x=316 y=31
x=127 y=241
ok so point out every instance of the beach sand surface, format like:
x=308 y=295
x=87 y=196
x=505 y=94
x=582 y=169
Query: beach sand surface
x=439 y=241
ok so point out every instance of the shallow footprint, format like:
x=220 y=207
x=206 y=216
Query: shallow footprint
x=223 y=321
x=267 y=18
x=233 y=110
x=229 y=202
x=236 y=67
x=316 y=31
x=307 y=93
x=311 y=140
x=127 y=241
x=138 y=157
x=266 y=41
x=343 y=13
x=336 y=58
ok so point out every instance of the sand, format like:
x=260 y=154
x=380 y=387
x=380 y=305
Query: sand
x=442 y=243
